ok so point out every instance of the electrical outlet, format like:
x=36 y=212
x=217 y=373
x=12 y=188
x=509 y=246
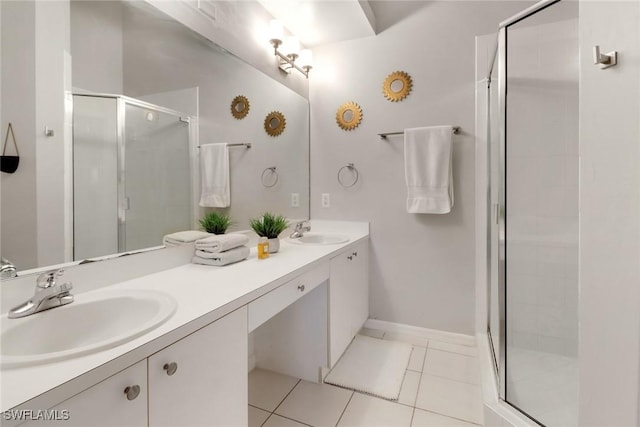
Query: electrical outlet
x=295 y=200
x=326 y=200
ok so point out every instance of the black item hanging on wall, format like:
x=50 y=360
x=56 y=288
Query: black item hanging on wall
x=9 y=164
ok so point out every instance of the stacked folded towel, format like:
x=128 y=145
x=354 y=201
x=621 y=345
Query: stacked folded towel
x=183 y=237
x=221 y=249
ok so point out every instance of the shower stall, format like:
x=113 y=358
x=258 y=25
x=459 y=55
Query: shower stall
x=531 y=105
x=131 y=174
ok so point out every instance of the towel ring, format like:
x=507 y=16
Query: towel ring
x=353 y=169
x=273 y=172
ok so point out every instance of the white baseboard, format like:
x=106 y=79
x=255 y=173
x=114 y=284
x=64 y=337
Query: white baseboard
x=449 y=337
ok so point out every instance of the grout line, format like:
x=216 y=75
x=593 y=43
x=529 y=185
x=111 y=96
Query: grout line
x=345 y=408
x=265 y=421
x=291 y=419
x=413 y=413
x=449 y=416
x=285 y=397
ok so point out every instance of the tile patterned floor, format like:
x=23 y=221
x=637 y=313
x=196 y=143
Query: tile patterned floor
x=440 y=388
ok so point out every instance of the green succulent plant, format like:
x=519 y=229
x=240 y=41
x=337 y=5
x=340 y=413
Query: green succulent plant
x=216 y=222
x=269 y=225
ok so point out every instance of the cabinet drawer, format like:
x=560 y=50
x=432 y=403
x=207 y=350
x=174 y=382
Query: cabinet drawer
x=272 y=303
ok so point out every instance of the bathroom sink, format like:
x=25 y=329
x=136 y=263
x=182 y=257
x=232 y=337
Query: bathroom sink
x=319 y=238
x=93 y=322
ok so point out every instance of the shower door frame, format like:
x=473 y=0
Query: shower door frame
x=121 y=103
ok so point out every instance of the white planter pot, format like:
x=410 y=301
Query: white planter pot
x=274 y=245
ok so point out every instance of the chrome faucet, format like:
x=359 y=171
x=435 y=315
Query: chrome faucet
x=7 y=269
x=49 y=294
x=300 y=230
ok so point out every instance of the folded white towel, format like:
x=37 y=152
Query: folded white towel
x=183 y=237
x=221 y=242
x=214 y=175
x=428 y=169
x=223 y=258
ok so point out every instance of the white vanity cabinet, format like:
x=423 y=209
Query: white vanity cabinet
x=199 y=380
x=120 y=400
x=202 y=379
x=348 y=298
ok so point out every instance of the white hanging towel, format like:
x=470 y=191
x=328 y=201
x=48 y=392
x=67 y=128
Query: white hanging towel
x=428 y=169
x=214 y=175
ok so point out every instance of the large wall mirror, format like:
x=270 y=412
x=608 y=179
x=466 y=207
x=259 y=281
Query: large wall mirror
x=128 y=95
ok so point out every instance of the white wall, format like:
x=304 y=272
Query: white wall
x=96 y=42
x=52 y=79
x=422 y=266
x=19 y=232
x=33 y=209
x=610 y=216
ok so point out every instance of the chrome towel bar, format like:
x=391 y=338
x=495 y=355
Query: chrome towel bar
x=456 y=130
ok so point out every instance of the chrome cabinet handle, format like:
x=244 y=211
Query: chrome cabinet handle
x=132 y=392
x=301 y=287
x=350 y=257
x=171 y=368
x=354 y=253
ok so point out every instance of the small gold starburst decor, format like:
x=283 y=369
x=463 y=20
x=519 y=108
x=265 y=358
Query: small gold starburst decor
x=240 y=107
x=349 y=115
x=397 y=86
x=275 y=123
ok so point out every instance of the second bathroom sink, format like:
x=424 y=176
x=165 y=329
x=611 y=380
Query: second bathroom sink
x=320 y=238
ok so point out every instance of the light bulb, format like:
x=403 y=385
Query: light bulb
x=306 y=58
x=275 y=32
x=292 y=47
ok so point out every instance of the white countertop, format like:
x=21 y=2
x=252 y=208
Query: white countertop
x=203 y=294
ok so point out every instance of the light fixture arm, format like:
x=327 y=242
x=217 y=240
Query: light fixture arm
x=287 y=62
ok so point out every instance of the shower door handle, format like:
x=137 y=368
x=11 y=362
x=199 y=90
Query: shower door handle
x=496 y=211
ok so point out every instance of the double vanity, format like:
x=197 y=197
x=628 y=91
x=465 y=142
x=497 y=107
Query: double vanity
x=174 y=347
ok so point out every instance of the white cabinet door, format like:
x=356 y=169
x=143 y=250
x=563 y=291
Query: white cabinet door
x=360 y=312
x=209 y=385
x=348 y=299
x=105 y=404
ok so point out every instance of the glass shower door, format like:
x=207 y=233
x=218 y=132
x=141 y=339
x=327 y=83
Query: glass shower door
x=156 y=196
x=541 y=206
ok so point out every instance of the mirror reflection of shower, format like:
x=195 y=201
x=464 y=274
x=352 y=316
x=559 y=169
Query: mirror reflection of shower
x=131 y=174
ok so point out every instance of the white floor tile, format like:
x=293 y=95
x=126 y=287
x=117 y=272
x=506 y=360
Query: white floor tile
x=417 y=358
x=430 y=419
x=453 y=366
x=448 y=397
x=267 y=389
x=409 y=389
x=257 y=416
x=278 y=421
x=411 y=339
x=453 y=348
x=315 y=404
x=368 y=411
x=373 y=333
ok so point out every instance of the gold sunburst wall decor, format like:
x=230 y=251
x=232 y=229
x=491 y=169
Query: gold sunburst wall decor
x=240 y=107
x=349 y=115
x=275 y=123
x=397 y=86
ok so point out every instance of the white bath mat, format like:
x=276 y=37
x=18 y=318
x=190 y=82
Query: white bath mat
x=372 y=366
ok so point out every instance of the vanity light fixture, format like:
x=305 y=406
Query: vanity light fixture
x=289 y=54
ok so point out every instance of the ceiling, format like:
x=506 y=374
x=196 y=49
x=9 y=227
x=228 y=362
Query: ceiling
x=319 y=22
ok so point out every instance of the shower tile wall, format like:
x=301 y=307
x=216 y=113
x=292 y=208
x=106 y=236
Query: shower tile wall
x=542 y=188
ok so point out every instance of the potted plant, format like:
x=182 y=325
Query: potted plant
x=215 y=222
x=270 y=226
